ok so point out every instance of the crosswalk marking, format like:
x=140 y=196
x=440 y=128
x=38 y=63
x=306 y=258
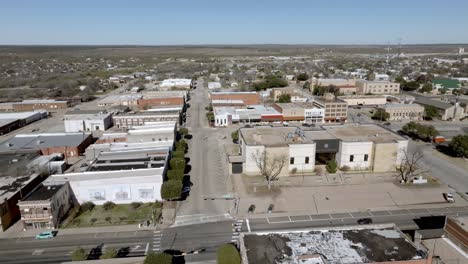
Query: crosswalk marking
x=157 y=236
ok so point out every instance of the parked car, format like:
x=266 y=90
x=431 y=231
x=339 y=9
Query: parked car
x=365 y=221
x=449 y=197
x=188 y=136
x=186 y=189
x=46 y=235
x=285 y=124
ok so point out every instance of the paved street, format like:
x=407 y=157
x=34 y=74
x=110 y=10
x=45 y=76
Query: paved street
x=208 y=175
x=30 y=250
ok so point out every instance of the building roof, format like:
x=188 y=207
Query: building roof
x=46 y=140
x=112 y=99
x=21 y=115
x=335 y=246
x=363 y=133
x=273 y=136
x=447 y=83
x=175 y=82
x=288 y=105
x=85 y=112
x=435 y=103
x=43 y=192
x=41 y=101
x=87 y=116
x=402 y=106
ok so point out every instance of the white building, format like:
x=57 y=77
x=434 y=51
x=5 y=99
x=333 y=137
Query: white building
x=176 y=83
x=214 y=85
x=87 y=121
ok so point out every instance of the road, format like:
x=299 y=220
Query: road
x=59 y=249
x=207 y=160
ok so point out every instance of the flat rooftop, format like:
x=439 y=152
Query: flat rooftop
x=273 y=136
x=337 y=246
x=39 y=141
x=43 y=192
x=363 y=132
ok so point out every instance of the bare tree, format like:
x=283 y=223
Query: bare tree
x=410 y=166
x=270 y=166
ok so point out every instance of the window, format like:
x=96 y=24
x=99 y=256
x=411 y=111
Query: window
x=366 y=157
x=306 y=160
x=291 y=160
x=351 y=158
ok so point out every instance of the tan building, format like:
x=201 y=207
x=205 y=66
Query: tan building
x=275 y=93
x=445 y=110
x=31 y=105
x=334 y=82
x=364 y=99
x=128 y=120
x=290 y=111
x=246 y=98
x=336 y=110
x=377 y=87
x=167 y=101
x=404 y=111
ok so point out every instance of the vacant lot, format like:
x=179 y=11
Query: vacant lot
x=121 y=214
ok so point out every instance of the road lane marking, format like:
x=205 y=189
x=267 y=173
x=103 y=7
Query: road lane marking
x=248 y=224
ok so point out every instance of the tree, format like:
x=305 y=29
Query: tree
x=228 y=254
x=420 y=131
x=109 y=253
x=171 y=189
x=443 y=91
x=270 y=166
x=427 y=88
x=176 y=175
x=270 y=81
x=302 y=77
x=235 y=136
x=178 y=154
x=284 y=98
x=430 y=111
x=332 y=166
x=306 y=85
x=87 y=206
x=321 y=90
x=410 y=86
x=158 y=258
x=177 y=164
x=459 y=146
x=381 y=115
x=410 y=166
x=183 y=131
x=108 y=205
x=79 y=254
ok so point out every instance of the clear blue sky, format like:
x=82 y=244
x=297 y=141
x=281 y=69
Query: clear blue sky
x=157 y=22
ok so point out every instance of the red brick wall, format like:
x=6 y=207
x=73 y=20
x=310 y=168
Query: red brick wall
x=31 y=107
x=167 y=101
x=249 y=99
x=73 y=151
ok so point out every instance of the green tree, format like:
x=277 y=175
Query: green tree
x=109 y=253
x=410 y=86
x=177 y=164
x=79 y=254
x=210 y=116
x=380 y=114
x=427 y=88
x=430 y=111
x=178 y=154
x=443 y=91
x=302 y=77
x=158 y=258
x=171 y=189
x=108 y=205
x=331 y=166
x=269 y=81
x=420 y=131
x=176 y=175
x=284 y=98
x=235 y=136
x=183 y=131
x=306 y=85
x=228 y=254
x=459 y=146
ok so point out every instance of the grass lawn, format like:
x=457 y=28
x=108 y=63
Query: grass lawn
x=121 y=214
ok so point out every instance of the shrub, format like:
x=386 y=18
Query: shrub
x=235 y=136
x=302 y=77
x=77 y=221
x=171 y=190
x=108 y=219
x=178 y=154
x=177 y=164
x=93 y=220
x=177 y=175
x=79 y=254
x=180 y=149
x=158 y=258
x=110 y=253
x=183 y=131
x=122 y=218
x=135 y=205
x=108 y=205
x=182 y=143
x=294 y=171
x=228 y=254
x=88 y=206
x=331 y=166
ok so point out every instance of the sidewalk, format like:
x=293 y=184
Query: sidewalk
x=16 y=231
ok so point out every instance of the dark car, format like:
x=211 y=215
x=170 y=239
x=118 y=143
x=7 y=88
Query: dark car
x=188 y=136
x=186 y=189
x=364 y=221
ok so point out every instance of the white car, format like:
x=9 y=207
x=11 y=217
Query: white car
x=449 y=197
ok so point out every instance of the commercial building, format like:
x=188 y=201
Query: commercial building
x=290 y=111
x=275 y=93
x=161 y=101
x=312 y=113
x=445 y=110
x=119 y=176
x=404 y=111
x=13 y=121
x=174 y=84
x=225 y=116
x=87 y=120
x=377 y=87
x=16 y=181
x=336 y=110
x=246 y=98
x=45 y=206
x=214 y=85
x=69 y=144
x=343 y=245
x=333 y=82
x=364 y=99
x=128 y=120
x=356 y=147
x=130 y=100
x=31 y=105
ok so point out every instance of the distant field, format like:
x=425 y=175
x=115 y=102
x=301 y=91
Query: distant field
x=219 y=50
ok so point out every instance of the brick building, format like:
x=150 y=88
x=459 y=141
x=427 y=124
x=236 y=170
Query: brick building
x=31 y=105
x=247 y=98
x=148 y=103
